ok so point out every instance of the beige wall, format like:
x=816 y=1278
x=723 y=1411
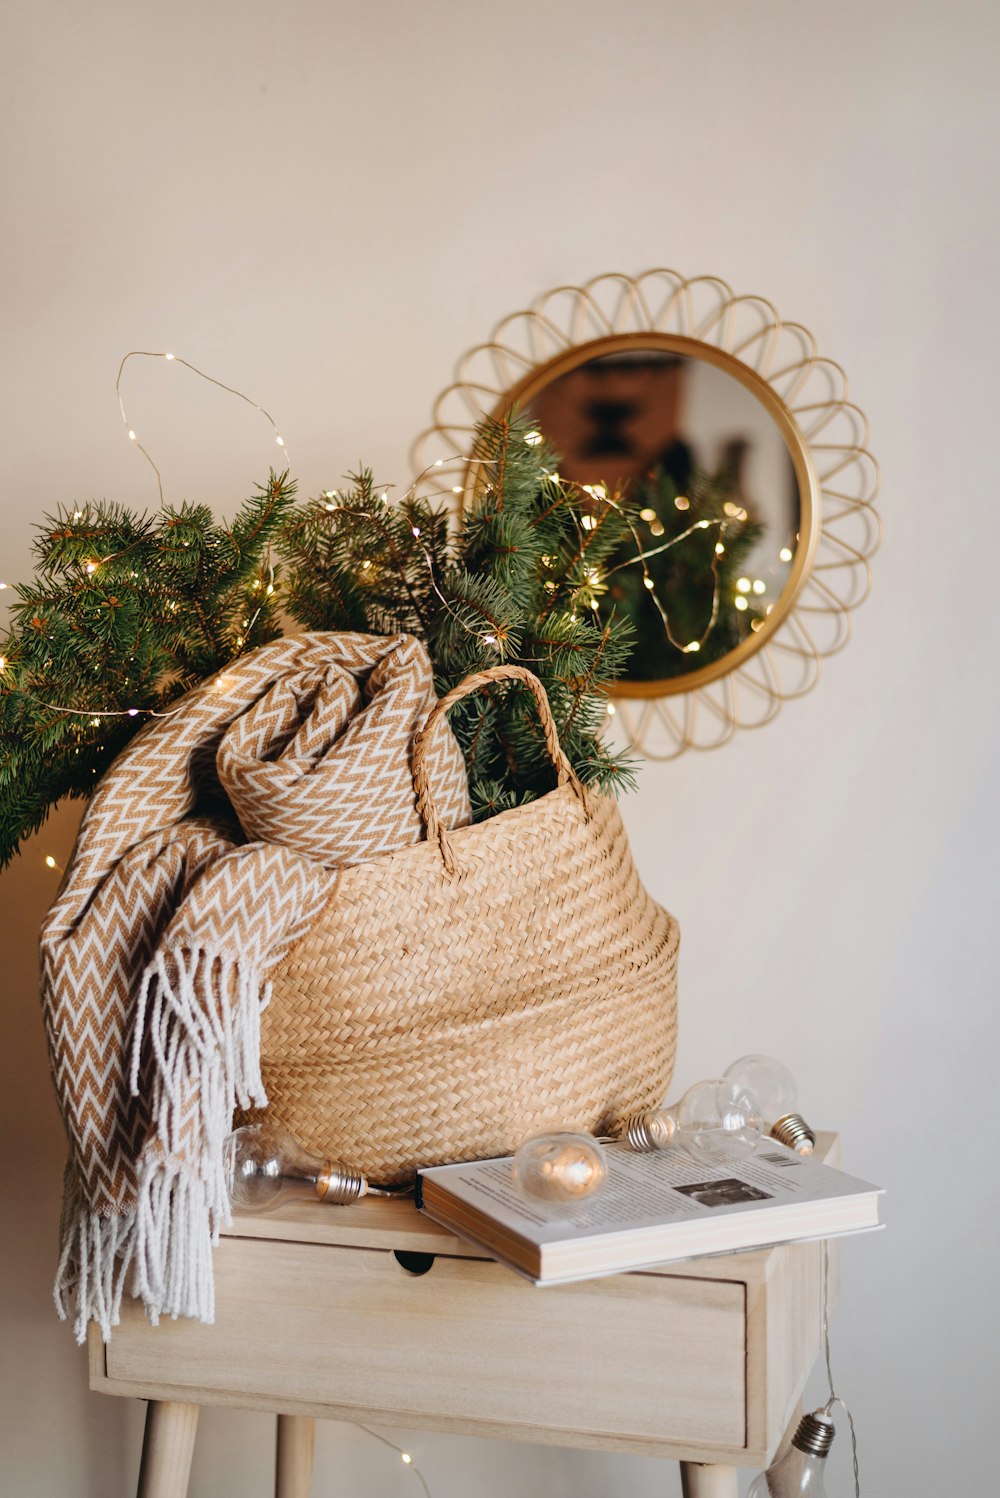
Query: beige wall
x=327 y=203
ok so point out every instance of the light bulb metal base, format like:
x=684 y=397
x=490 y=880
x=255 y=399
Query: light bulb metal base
x=654 y=1130
x=815 y=1433
x=793 y=1131
x=339 y=1185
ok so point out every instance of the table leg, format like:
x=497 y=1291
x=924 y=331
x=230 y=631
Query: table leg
x=167 y=1448
x=294 y=1460
x=704 y=1480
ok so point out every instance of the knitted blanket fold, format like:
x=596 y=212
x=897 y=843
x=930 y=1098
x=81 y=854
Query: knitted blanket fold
x=209 y=846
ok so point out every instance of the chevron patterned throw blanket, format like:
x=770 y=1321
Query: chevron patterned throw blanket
x=210 y=845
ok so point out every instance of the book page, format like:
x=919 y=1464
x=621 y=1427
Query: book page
x=643 y=1190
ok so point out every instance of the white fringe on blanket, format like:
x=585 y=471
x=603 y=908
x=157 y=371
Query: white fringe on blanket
x=199 y=1014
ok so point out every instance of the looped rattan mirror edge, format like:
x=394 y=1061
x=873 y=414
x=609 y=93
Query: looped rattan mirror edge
x=698 y=329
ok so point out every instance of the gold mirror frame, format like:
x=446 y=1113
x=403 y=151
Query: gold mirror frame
x=826 y=435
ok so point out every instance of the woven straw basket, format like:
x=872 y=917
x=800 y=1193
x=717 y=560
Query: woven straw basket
x=461 y=994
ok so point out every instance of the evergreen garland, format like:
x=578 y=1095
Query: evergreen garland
x=125 y=614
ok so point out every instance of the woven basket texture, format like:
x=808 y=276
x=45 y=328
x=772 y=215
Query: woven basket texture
x=465 y=992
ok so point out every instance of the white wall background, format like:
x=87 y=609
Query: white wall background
x=326 y=203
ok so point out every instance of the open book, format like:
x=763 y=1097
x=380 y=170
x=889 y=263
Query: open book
x=654 y=1209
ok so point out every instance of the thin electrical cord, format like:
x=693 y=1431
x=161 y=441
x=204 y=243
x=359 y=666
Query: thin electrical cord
x=834 y=1396
x=133 y=712
x=176 y=359
x=403 y=1455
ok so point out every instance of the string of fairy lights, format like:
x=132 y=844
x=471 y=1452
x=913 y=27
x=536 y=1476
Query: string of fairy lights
x=176 y=359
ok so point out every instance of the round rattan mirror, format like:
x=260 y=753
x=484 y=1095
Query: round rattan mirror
x=742 y=459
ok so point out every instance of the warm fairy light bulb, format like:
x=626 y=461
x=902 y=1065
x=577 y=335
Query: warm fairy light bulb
x=694 y=646
x=131 y=435
x=703 y=525
x=265 y=1164
x=648 y=582
x=588 y=522
x=168 y=356
x=717 y=1121
x=731 y=509
x=772 y=1082
x=280 y=441
x=533 y=438
x=743 y=583
x=647 y=514
x=611 y=707
x=785 y=553
x=719 y=548
x=3 y=663
x=404 y=1456
x=759 y=586
x=682 y=502
x=740 y=602
x=560 y=1167
x=50 y=861
x=801 y=1469
x=456 y=488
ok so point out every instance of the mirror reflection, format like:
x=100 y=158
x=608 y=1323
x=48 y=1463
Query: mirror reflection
x=710 y=481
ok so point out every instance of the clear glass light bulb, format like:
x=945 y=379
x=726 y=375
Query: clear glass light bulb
x=265 y=1165
x=772 y=1082
x=802 y=1467
x=717 y=1121
x=560 y=1167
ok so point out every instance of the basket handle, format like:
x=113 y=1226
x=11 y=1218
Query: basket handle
x=565 y=774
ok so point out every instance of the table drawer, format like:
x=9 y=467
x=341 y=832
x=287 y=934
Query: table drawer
x=334 y=1329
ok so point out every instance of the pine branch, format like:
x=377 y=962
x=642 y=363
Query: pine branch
x=126 y=612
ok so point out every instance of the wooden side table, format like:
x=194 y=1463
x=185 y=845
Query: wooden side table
x=319 y=1314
